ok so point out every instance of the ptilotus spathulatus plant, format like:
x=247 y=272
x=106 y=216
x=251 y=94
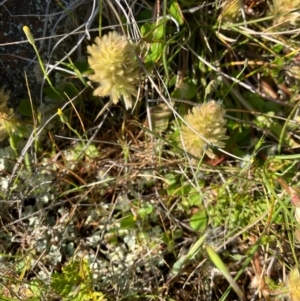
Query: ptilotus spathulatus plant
x=115 y=67
x=7 y=121
x=293 y=284
x=285 y=12
x=207 y=121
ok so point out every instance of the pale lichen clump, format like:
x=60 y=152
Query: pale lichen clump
x=8 y=123
x=115 y=67
x=207 y=121
x=286 y=12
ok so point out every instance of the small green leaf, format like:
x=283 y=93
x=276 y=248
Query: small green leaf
x=91 y=151
x=277 y=48
x=25 y=108
x=155 y=53
x=146 y=30
x=198 y=221
x=53 y=94
x=145 y=14
x=187 y=90
x=153 y=32
x=171 y=179
x=128 y=222
x=146 y=211
x=175 y=12
x=194 y=197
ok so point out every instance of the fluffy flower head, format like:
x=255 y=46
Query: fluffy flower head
x=208 y=121
x=115 y=67
x=231 y=11
x=286 y=12
x=294 y=284
x=7 y=122
x=4 y=97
